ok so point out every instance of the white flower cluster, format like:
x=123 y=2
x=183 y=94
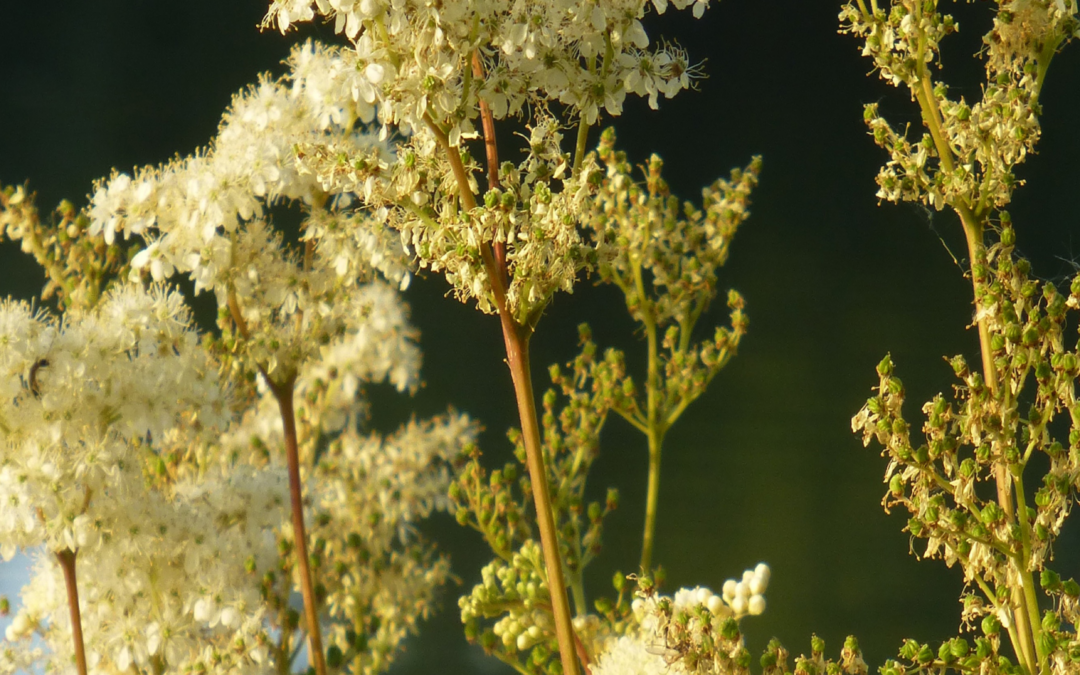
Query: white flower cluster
x=431 y=70
x=192 y=210
x=417 y=56
x=694 y=631
x=78 y=395
x=122 y=446
x=633 y=656
x=170 y=581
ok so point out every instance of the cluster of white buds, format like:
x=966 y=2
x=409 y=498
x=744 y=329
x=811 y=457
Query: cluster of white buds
x=747 y=595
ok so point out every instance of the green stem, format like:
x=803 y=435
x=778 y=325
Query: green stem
x=973 y=233
x=1022 y=569
x=652 y=498
x=577 y=589
x=582 y=140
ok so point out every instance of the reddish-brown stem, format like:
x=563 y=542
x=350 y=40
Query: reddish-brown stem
x=517 y=357
x=284 y=395
x=583 y=654
x=492 y=150
x=516 y=339
x=66 y=558
x=489 y=128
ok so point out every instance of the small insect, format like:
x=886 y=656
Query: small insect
x=669 y=655
x=32 y=378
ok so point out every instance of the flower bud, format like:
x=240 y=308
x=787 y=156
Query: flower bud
x=945 y=653
x=739 y=604
x=756 y=605
x=925 y=655
x=1071 y=588
x=334 y=656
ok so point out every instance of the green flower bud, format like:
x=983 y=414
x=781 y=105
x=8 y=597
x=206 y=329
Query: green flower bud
x=983 y=648
x=1070 y=588
x=967 y=468
x=768 y=660
x=1051 y=621
x=945 y=653
x=990 y=625
x=959 y=647
x=619 y=582
x=743 y=658
x=1050 y=580
x=896 y=485
x=612 y=499
x=729 y=630
x=1047 y=643
x=334 y=656
x=909 y=650
x=925 y=655
x=885 y=368
x=817 y=645
x=991 y=513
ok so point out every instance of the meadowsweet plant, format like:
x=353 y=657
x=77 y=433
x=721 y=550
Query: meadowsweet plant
x=994 y=474
x=509 y=235
x=202 y=480
x=175 y=468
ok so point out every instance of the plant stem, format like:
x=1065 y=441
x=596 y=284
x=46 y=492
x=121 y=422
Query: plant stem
x=1026 y=580
x=655 y=428
x=579 y=146
x=516 y=339
x=66 y=558
x=491 y=148
x=284 y=395
x=652 y=497
x=973 y=233
x=517 y=357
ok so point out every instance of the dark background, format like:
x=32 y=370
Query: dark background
x=764 y=466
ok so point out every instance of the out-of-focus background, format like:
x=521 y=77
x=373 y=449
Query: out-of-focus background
x=764 y=467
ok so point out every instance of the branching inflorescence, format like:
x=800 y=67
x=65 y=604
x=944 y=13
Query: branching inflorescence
x=1002 y=415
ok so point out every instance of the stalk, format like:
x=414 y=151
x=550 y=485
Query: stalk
x=66 y=558
x=516 y=340
x=284 y=395
x=654 y=426
x=973 y=233
x=652 y=498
